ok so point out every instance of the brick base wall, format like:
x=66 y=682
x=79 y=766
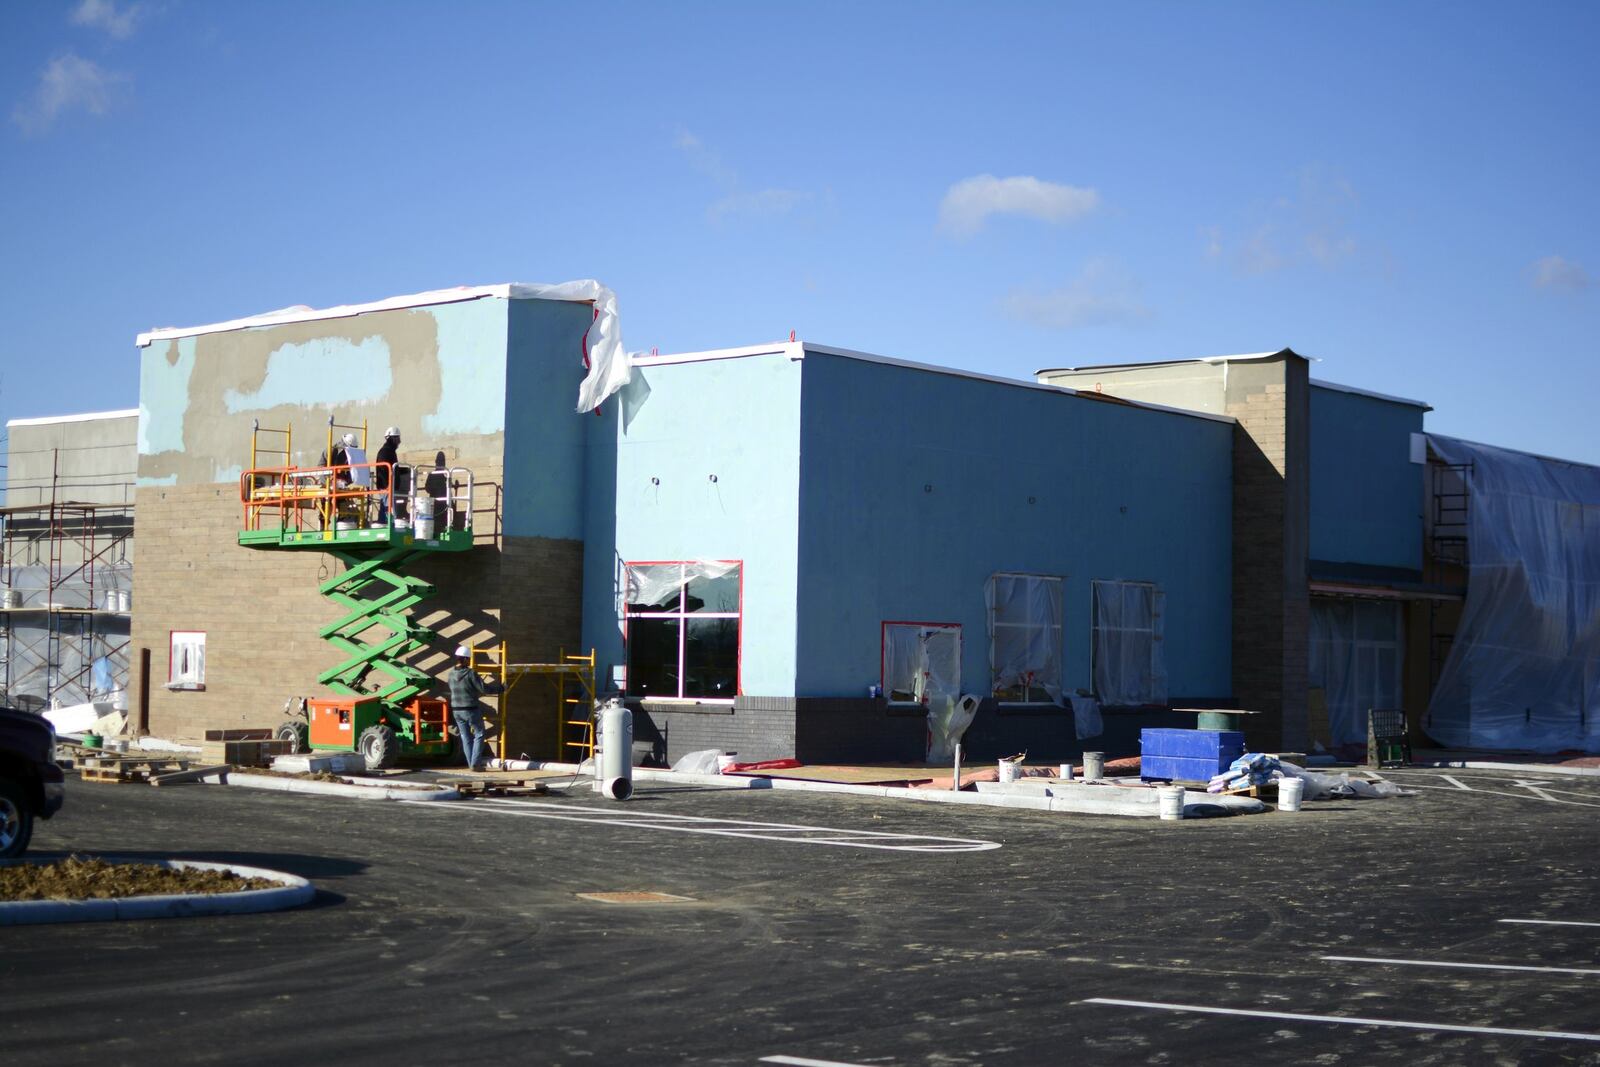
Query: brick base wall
x=260 y=608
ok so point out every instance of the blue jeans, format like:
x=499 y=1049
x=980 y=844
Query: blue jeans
x=469 y=727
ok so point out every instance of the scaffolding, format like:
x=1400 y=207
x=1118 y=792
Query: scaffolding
x=65 y=602
x=567 y=688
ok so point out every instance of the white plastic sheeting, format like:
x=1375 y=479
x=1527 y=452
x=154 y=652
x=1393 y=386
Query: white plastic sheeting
x=1524 y=667
x=1130 y=665
x=923 y=661
x=67 y=658
x=1025 y=632
x=1356 y=655
x=655 y=585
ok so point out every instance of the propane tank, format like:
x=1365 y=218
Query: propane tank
x=615 y=765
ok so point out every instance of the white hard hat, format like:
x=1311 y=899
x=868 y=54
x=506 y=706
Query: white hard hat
x=462 y=652
x=393 y=431
x=348 y=440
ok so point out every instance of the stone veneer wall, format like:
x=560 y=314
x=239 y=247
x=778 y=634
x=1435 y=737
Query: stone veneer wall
x=1270 y=399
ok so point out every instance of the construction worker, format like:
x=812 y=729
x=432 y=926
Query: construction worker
x=388 y=454
x=465 y=708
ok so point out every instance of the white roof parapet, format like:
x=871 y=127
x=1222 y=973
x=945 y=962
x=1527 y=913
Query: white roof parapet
x=609 y=366
x=1248 y=357
x=88 y=416
x=796 y=350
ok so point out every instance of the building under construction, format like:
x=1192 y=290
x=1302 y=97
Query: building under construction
x=66 y=559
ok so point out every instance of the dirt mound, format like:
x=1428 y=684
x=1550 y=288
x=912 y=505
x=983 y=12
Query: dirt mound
x=86 y=878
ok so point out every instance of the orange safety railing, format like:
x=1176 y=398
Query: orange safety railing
x=294 y=497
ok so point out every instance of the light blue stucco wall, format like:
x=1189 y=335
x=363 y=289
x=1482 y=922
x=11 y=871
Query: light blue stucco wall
x=737 y=419
x=1366 y=494
x=545 y=468
x=916 y=487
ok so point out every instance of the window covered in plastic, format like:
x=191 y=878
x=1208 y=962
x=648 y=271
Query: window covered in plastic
x=1025 y=637
x=1128 y=662
x=1357 y=652
x=921 y=661
x=682 y=630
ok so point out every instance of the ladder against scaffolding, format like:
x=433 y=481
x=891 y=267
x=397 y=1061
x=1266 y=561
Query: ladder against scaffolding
x=567 y=689
x=335 y=508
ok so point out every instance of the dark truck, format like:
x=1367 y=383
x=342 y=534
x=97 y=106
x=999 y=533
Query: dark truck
x=30 y=781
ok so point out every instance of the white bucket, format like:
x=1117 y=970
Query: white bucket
x=345 y=524
x=1171 y=799
x=1066 y=772
x=10 y=598
x=1008 y=770
x=1094 y=766
x=113 y=601
x=124 y=599
x=1290 y=790
x=422 y=526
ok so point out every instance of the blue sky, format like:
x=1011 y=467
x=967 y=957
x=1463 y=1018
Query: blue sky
x=1404 y=191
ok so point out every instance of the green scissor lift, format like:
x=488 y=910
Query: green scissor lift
x=377 y=631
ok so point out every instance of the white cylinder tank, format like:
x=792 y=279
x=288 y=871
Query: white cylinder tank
x=615 y=777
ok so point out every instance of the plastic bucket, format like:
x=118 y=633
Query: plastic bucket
x=1290 y=791
x=1171 y=800
x=1066 y=772
x=422 y=526
x=1008 y=770
x=10 y=598
x=1094 y=766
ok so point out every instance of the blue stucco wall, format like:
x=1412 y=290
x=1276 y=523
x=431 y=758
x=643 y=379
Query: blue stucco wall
x=1366 y=494
x=545 y=437
x=737 y=419
x=1117 y=492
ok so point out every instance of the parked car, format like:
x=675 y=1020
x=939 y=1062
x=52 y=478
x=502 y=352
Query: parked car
x=30 y=781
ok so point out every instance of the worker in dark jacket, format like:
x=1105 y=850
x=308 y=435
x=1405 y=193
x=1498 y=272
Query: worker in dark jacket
x=389 y=454
x=465 y=708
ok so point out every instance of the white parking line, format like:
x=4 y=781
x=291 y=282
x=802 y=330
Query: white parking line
x=1536 y=788
x=1347 y=1020
x=1470 y=966
x=801 y=1061
x=692 y=824
x=1549 y=922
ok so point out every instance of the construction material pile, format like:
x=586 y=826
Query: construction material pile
x=1252 y=768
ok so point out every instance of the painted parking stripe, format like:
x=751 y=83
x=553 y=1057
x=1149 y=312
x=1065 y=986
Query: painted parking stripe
x=1549 y=922
x=1470 y=966
x=689 y=824
x=1347 y=1020
x=1534 y=788
x=801 y=1061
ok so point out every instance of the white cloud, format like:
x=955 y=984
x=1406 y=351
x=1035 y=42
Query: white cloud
x=969 y=202
x=69 y=82
x=1311 y=227
x=105 y=15
x=736 y=202
x=1103 y=294
x=763 y=203
x=1560 y=274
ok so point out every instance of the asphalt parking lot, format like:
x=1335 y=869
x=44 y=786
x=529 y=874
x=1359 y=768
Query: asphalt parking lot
x=828 y=928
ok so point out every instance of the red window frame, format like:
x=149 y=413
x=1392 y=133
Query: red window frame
x=738 y=666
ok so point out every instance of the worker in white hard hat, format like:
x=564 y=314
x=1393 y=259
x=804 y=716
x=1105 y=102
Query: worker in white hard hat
x=388 y=456
x=465 y=708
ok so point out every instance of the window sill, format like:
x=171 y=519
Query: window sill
x=691 y=707
x=185 y=687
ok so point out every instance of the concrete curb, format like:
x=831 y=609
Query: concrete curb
x=1067 y=805
x=290 y=893
x=376 y=791
x=1486 y=765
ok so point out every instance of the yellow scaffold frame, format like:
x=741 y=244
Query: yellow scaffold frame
x=574 y=703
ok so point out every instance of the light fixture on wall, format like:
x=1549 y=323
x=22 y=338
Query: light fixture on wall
x=712 y=477
x=655 y=481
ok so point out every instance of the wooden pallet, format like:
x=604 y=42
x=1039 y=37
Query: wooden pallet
x=483 y=787
x=127 y=768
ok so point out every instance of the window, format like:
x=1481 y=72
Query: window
x=1357 y=651
x=1024 y=637
x=921 y=660
x=186 y=660
x=1129 y=664
x=681 y=627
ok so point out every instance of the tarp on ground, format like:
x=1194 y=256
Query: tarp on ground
x=1523 y=671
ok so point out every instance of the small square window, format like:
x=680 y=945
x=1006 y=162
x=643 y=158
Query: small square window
x=186 y=660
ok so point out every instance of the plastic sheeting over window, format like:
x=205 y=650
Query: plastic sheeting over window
x=1130 y=665
x=1025 y=636
x=1524 y=667
x=920 y=662
x=1356 y=655
x=655 y=586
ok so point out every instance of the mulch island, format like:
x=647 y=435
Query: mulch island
x=81 y=878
